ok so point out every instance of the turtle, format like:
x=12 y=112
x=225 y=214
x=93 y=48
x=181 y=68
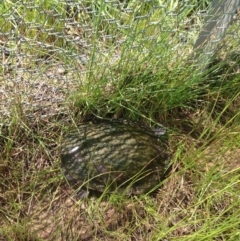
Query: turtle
x=114 y=156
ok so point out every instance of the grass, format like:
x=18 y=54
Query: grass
x=199 y=199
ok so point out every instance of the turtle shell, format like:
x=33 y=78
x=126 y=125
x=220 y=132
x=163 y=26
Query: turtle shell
x=114 y=155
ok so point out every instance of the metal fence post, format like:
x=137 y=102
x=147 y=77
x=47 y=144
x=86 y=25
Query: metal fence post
x=214 y=29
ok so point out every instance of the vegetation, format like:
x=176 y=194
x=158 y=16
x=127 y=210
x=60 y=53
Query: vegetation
x=155 y=82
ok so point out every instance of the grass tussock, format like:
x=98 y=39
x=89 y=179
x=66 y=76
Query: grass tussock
x=198 y=200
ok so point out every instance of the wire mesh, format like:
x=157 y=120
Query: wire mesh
x=49 y=48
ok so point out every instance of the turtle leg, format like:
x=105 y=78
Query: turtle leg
x=82 y=193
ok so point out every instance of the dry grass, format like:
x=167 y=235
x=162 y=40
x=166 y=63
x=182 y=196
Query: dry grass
x=200 y=192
